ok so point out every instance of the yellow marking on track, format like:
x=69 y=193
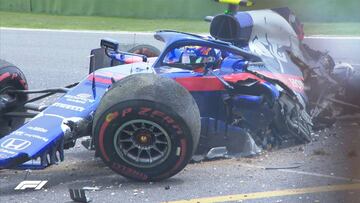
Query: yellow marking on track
x=268 y=194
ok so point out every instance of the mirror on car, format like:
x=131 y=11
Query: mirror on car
x=109 y=44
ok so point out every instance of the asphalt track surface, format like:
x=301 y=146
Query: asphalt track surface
x=326 y=170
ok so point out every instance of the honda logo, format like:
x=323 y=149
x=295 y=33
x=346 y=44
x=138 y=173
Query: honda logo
x=15 y=144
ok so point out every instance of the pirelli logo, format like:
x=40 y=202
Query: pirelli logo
x=69 y=107
x=31 y=184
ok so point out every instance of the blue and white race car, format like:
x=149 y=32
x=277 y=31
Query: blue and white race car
x=146 y=113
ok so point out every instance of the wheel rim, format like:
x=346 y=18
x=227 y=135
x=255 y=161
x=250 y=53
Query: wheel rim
x=5 y=89
x=142 y=143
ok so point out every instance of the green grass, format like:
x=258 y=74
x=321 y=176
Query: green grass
x=351 y=29
x=30 y=20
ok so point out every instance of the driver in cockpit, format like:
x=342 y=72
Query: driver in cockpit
x=196 y=58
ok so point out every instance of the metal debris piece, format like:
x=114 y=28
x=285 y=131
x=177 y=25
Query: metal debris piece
x=78 y=195
x=197 y=158
x=284 y=167
x=91 y=188
x=88 y=144
x=217 y=152
x=250 y=148
x=320 y=152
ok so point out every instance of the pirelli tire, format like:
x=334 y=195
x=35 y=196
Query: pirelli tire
x=352 y=93
x=145 y=49
x=146 y=127
x=11 y=78
x=291 y=122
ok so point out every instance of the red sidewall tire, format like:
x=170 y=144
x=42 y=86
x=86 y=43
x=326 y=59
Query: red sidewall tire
x=181 y=140
x=11 y=77
x=146 y=50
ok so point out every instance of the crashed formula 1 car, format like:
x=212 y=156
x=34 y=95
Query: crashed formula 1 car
x=252 y=79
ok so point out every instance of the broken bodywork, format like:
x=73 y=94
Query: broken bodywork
x=254 y=82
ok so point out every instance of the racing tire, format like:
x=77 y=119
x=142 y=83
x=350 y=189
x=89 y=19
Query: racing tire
x=11 y=78
x=352 y=93
x=146 y=127
x=291 y=122
x=145 y=49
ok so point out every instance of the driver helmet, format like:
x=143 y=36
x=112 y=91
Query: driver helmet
x=199 y=55
x=196 y=57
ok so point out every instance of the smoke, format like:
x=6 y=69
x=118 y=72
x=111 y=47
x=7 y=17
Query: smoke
x=317 y=10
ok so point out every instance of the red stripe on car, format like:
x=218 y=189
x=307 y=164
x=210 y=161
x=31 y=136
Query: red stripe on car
x=105 y=77
x=133 y=59
x=4 y=76
x=201 y=83
x=240 y=77
x=294 y=82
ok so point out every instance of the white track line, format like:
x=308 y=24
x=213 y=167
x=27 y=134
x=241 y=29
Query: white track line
x=319 y=175
x=305 y=173
x=76 y=31
x=151 y=33
x=333 y=37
